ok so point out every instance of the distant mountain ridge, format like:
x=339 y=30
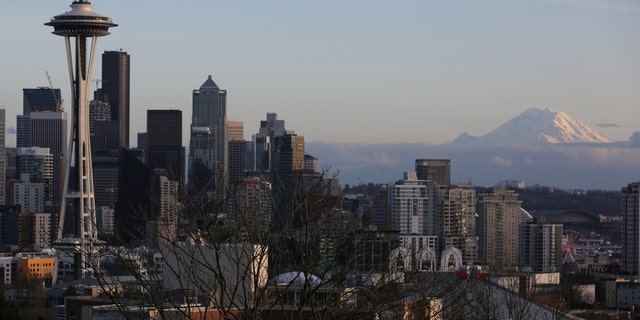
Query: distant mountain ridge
x=536 y=126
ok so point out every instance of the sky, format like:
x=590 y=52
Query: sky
x=366 y=71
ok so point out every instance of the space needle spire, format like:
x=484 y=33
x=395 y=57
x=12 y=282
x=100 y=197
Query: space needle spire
x=80 y=28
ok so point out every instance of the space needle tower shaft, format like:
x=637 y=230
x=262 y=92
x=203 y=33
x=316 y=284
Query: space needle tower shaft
x=81 y=28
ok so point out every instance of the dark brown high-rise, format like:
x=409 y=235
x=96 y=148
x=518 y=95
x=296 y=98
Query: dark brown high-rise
x=438 y=171
x=115 y=90
x=164 y=134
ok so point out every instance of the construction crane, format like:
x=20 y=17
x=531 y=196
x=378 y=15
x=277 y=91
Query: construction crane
x=53 y=92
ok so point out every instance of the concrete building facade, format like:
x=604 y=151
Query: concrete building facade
x=541 y=247
x=501 y=218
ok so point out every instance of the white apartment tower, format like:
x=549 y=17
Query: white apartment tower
x=408 y=204
x=412 y=214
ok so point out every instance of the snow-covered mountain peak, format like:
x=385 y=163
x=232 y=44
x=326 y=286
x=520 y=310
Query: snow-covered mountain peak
x=539 y=125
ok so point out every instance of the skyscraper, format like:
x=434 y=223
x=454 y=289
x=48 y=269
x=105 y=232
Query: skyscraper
x=260 y=150
x=104 y=131
x=105 y=178
x=209 y=122
x=631 y=228
x=40 y=99
x=501 y=218
x=164 y=133
x=115 y=90
x=237 y=149
x=438 y=171
x=288 y=154
x=46 y=130
x=3 y=164
x=138 y=199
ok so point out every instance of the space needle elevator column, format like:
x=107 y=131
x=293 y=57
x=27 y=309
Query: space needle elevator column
x=80 y=28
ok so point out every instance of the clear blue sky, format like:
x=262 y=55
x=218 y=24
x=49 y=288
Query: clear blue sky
x=354 y=71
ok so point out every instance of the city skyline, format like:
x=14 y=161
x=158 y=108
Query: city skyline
x=414 y=70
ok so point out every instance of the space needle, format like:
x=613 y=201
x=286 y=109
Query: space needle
x=80 y=28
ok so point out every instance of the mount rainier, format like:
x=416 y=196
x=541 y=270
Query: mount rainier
x=537 y=126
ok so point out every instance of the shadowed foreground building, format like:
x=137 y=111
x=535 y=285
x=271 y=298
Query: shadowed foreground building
x=138 y=198
x=164 y=144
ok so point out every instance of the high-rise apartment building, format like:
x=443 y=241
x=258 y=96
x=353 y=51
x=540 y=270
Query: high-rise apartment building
x=37 y=164
x=164 y=133
x=409 y=205
x=29 y=195
x=209 y=130
x=116 y=66
x=631 y=228
x=438 y=171
x=457 y=221
x=253 y=202
x=166 y=225
x=541 y=247
x=501 y=218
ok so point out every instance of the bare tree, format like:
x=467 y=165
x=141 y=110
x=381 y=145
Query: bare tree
x=281 y=248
